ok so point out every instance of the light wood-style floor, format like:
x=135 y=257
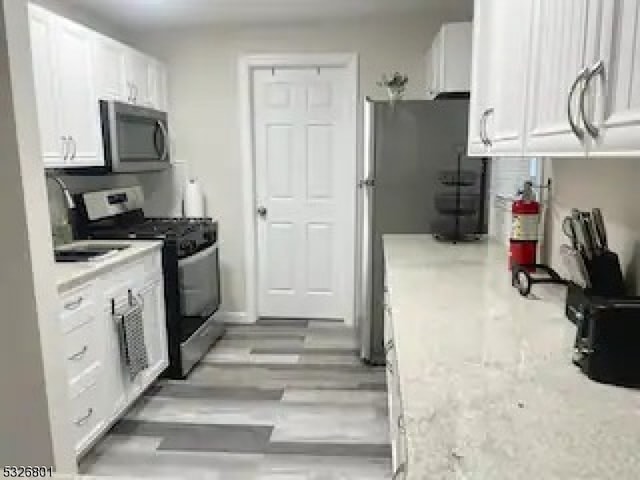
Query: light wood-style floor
x=279 y=400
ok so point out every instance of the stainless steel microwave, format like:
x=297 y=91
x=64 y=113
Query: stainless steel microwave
x=136 y=139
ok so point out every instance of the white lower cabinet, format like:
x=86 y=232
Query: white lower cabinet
x=397 y=421
x=100 y=387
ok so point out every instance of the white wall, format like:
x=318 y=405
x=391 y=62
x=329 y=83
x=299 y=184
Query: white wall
x=611 y=184
x=34 y=419
x=204 y=100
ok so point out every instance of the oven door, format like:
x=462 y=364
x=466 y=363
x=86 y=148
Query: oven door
x=199 y=281
x=136 y=139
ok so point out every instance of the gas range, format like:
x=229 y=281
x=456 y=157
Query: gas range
x=190 y=260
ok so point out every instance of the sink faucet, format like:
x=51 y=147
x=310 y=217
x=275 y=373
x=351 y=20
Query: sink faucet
x=71 y=205
x=65 y=231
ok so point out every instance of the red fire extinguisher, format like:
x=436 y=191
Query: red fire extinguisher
x=523 y=244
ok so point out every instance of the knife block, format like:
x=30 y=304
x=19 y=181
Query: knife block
x=606 y=276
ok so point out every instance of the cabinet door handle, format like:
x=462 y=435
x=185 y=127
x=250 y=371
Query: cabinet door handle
x=80 y=354
x=82 y=420
x=577 y=131
x=597 y=69
x=72 y=141
x=483 y=127
x=65 y=147
x=483 y=118
x=74 y=305
x=135 y=93
x=388 y=347
x=390 y=367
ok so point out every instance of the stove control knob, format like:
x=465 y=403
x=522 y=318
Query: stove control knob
x=193 y=245
x=185 y=246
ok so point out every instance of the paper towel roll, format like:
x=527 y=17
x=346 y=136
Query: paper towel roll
x=193 y=200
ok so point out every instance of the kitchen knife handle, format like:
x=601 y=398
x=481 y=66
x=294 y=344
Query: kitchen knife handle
x=598 y=220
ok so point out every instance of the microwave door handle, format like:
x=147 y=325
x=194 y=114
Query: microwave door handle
x=155 y=139
x=165 y=134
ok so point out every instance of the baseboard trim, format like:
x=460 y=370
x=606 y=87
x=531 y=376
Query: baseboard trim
x=235 y=317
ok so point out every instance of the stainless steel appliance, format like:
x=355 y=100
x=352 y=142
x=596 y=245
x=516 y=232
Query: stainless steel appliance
x=407 y=145
x=191 y=263
x=136 y=139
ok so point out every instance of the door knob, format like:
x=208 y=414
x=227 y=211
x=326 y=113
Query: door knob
x=262 y=211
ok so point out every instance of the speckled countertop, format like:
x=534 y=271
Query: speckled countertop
x=70 y=275
x=488 y=388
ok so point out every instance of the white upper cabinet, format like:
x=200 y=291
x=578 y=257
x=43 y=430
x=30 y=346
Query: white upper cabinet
x=505 y=130
x=75 y=67
x=582 y=74
x=612 y=96
x=431 y=72
x=482 y=82
x=158 y=85
x=65 y=92
x=449 y=60
x=44 y=67
x=129 y=76
x=501 y=49
x=76 y=93
x=561 y=54
x=111 y=70
x=138 y=77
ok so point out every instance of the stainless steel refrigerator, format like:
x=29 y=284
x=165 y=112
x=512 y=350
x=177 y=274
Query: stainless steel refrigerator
x=407 y=145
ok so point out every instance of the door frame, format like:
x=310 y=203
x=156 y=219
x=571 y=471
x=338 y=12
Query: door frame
x=246 y=65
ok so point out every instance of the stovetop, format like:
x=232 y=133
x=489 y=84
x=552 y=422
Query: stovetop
x=170 y=227
x=189 y=235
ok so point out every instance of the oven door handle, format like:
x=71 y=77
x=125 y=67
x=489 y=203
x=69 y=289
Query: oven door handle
x=199 y=256
x=165 y=135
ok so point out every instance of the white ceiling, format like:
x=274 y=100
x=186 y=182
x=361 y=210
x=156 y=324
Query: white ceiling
x=180 y=13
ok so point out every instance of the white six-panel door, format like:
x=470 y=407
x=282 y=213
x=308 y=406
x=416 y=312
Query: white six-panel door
x=305 y=237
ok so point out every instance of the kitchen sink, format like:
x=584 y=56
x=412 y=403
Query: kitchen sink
x=87 y=252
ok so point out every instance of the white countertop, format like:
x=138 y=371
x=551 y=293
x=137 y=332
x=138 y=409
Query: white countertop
x=488 y=388
x=70 y=275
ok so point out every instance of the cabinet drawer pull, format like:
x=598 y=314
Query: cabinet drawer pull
x=597 y=69
x=74 y=305
x=80 y=354
x=400 y=470
x=82 y=420
x=577 y=131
